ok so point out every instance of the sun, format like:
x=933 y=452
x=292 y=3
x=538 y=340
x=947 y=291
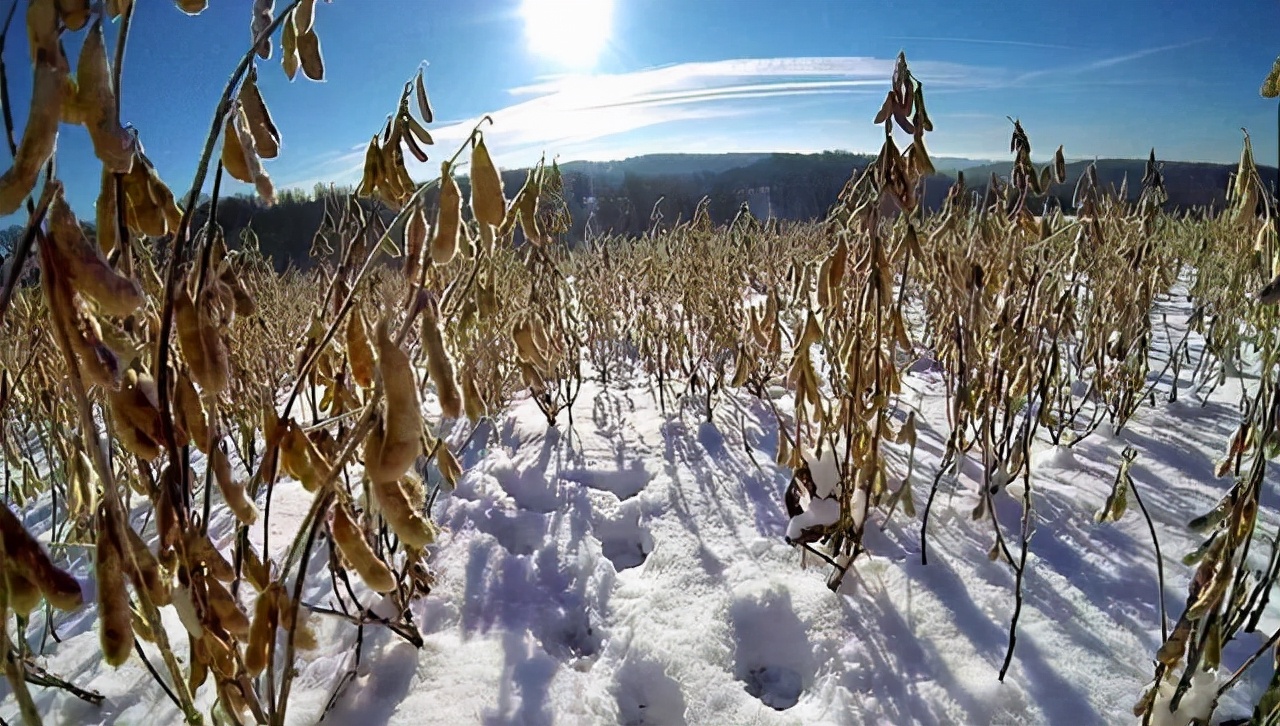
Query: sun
x=568 y=32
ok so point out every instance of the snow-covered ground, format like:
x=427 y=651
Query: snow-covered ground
x=632 y=569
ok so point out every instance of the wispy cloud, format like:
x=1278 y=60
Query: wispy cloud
x=572 y=115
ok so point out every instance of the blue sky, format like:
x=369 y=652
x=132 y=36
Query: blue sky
x=603 y=80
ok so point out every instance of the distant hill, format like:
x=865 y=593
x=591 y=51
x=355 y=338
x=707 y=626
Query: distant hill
x=1189 y=183
x=632 y=196
x=619 y=196
x=663 y=164
x=700 y=164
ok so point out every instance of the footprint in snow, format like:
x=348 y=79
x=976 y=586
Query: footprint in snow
x=623 y=539
x=772 y=657
x=623 y=483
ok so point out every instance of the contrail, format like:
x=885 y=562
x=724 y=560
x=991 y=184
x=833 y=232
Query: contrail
x=1105 y=63
x=982 y=41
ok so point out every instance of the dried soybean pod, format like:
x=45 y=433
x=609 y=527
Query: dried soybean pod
x=411 y=140
x=97 y=101
x=300 y=459
x=105 y=214
x=75 y=13
x=115 y=625
x=190 y=338
x=359 y=352
x=221 y=656
x=266 y=618
x=472 y=403
x=144 y=569
x=191 y=411
x=255 y=571
x=305 y=15
x=49 y=88
x=24 y=595
x=424 y=103
x=86 y=269
x=289 y=46
x=82 y=495
x=439 y=366
x=402 y=513
x=1271 y=84
x=233 y=492
x=25 y=555
x=310 y=55
x=356 y=550
x=824 y=285
x=234 y=157
x=199 y=664
x=266 y=137
x=373 y=174
x=418 y=131
x=444 y=245
x=42 y=28
x=224 y=607
x=839 y=260
x=448 y=465
x=72 y=111
x=213 y=349
x=201 y=552
x=127 y=415
x=527 y=348
x=402 y=433
x=262 y=17
x=527 y=212
x=238 y=125
x=140 y=627
x=163 y=199
x=487 y=202
x=242 y=299
x=415 y=239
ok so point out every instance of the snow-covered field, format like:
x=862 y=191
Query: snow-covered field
x=632 y=569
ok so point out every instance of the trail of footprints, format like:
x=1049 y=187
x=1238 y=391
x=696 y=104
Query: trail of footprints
x=542 y=511
x=527 y=500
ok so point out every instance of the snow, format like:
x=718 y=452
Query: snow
x=1196 y=703
x=632 y=569
x=821 y=512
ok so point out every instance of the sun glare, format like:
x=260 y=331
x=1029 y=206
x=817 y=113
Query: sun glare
x=568 y=32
